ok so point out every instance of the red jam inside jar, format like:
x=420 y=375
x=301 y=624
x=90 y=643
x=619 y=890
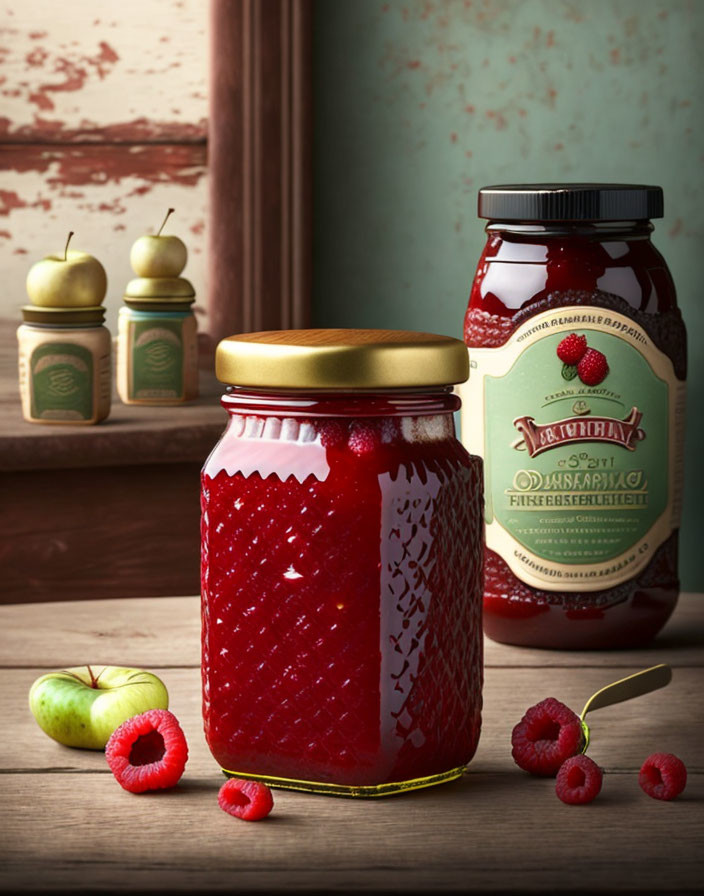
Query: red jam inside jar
x=561 y=260
x=341 y=575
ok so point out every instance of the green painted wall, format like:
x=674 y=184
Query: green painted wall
x=418 y=104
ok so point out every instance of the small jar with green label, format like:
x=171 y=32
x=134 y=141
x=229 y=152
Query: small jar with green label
x=157 y=343
x=64 y=365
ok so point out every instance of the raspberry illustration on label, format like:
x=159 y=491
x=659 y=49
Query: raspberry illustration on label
x=578 y=360
x=571 y=349
x=593 y=368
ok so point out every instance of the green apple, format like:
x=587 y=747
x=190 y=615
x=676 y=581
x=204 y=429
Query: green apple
x=159 y=255
x=72 y=280
x=81 y=709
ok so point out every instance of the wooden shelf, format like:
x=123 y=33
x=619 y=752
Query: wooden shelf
x=130 y=435
x=110 y=510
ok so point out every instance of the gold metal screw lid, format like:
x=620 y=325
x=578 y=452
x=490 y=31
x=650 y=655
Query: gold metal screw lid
x=341 y=359
x=92 y=314
x=160 y=288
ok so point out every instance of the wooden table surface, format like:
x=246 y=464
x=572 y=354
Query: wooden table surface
x=67 y=825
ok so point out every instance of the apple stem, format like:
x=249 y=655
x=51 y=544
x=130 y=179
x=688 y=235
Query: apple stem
x=93 y=679
x=158 y=233
x=68 y=241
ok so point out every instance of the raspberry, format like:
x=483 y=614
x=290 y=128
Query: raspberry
x=592 y=369
x=547 y=735
x=250 y=800
x=572 y=348
x=364 y=439
x=333 y=434
x=663 y=776
x=148 y=752
x=578 y=781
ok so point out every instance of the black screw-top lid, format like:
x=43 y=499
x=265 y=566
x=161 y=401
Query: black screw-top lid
x=570 y=202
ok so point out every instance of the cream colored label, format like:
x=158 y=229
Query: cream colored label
x=157 y=357
x=64 y=374
x=583 y=479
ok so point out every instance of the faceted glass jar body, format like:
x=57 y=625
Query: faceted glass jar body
x=341 y=591
x=527 y=270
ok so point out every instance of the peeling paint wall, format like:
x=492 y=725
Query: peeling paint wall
x=418 y=103
x=102 y=128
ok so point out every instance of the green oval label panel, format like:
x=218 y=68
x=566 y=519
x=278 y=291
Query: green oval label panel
x=582 y=461
x=61 y=382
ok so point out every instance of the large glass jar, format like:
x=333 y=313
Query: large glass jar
x=341 y=564
x=576 y=402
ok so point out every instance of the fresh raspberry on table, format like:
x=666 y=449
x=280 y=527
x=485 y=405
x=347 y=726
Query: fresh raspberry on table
x=663 y=776
x=148 y=752
x=250 y=800
x=547 y=735
x=364 y=439
x=578 y=781
x=572 y=348
x=592 y=369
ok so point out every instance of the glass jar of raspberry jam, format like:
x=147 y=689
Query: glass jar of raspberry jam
x=341 y=564
x=576 y=402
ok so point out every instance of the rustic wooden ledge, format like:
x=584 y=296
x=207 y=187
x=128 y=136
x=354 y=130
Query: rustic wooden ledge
x=69 y=826
x=130 y=435
x=113 y=508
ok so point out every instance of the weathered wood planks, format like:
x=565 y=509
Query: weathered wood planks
x=485 y=833
x=164 y=633
x=622 y=736
x=68 y=826
x=103 y=122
